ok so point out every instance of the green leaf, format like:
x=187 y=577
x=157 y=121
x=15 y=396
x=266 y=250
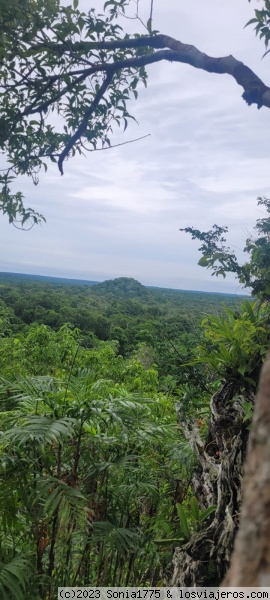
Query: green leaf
x=208 y=512
x=251 y=21
x=14 y=578
x=251 y=381
x=242 y=370
x=249 y=310
x=204 y=261
x=195 y=510
x=183 y=521
x=170 y=541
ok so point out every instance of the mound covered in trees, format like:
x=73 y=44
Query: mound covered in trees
x=121 y=286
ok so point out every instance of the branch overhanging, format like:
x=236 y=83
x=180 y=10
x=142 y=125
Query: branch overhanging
x=81 y=129
x=255 y=91
x=87 y=83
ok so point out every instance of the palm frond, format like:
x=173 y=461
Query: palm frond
x=118 y=538
x=41 y=429
x=14 y=578
x=58 y=496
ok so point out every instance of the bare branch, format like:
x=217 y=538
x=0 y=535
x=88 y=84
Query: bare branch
x=151 y=15
x=142 y=137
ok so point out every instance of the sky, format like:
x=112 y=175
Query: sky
x=118 y=212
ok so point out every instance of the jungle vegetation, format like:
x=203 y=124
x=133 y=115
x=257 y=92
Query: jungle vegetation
x=94 y=465
x=121 y=408
x=125 y=411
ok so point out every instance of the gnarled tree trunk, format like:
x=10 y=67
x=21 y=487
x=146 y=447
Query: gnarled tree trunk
x=250 y=564
x=204 y=560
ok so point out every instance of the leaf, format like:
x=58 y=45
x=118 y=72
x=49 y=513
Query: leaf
x=242 y=370
x=183 y=521
x=254 y=20
x=42 y=429
x=249 y=310
x=119 y=538
x=170 y=541
x=14 y=578
x=195 y=510
x=204 y=261
x=251 y=381
x=62 y=498
x=208 y=512
x=224 y=353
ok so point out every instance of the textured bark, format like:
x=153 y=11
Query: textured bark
x=170 y=49
x=204 y=560
x=250 y=564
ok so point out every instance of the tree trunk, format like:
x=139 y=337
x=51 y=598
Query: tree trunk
x=250 y=564
x=204 y=560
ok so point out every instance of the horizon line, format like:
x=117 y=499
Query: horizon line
x=95 y=282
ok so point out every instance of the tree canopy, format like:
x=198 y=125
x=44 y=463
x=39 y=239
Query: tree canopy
x=67 y=77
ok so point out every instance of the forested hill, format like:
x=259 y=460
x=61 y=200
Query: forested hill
x=122 y=286
x=118 y=286
x=54 y=300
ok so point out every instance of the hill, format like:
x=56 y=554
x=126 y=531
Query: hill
x=122 y=286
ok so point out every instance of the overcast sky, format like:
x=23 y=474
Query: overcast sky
x=118 y=212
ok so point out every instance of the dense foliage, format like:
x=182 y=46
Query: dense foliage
x=98 y=471
x=155 y=325
x=95 y=470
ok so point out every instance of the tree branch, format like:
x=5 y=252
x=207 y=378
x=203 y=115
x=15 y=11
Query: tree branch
x=85 y=120
x=255 y=91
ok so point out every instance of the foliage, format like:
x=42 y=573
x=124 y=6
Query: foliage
x=254 y=274
x=262 y=23
x=41 y=350
x=248 y=408
x=14 y=578
x=190 y=519
x=95 y=470
x=166 y=321
x=87 y=467
x=7 y=319
x=58 y=60
x=237 y=342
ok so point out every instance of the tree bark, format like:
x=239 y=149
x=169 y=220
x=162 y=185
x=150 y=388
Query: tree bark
x=204 y=560
x=170 y=49
x=250 y=564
